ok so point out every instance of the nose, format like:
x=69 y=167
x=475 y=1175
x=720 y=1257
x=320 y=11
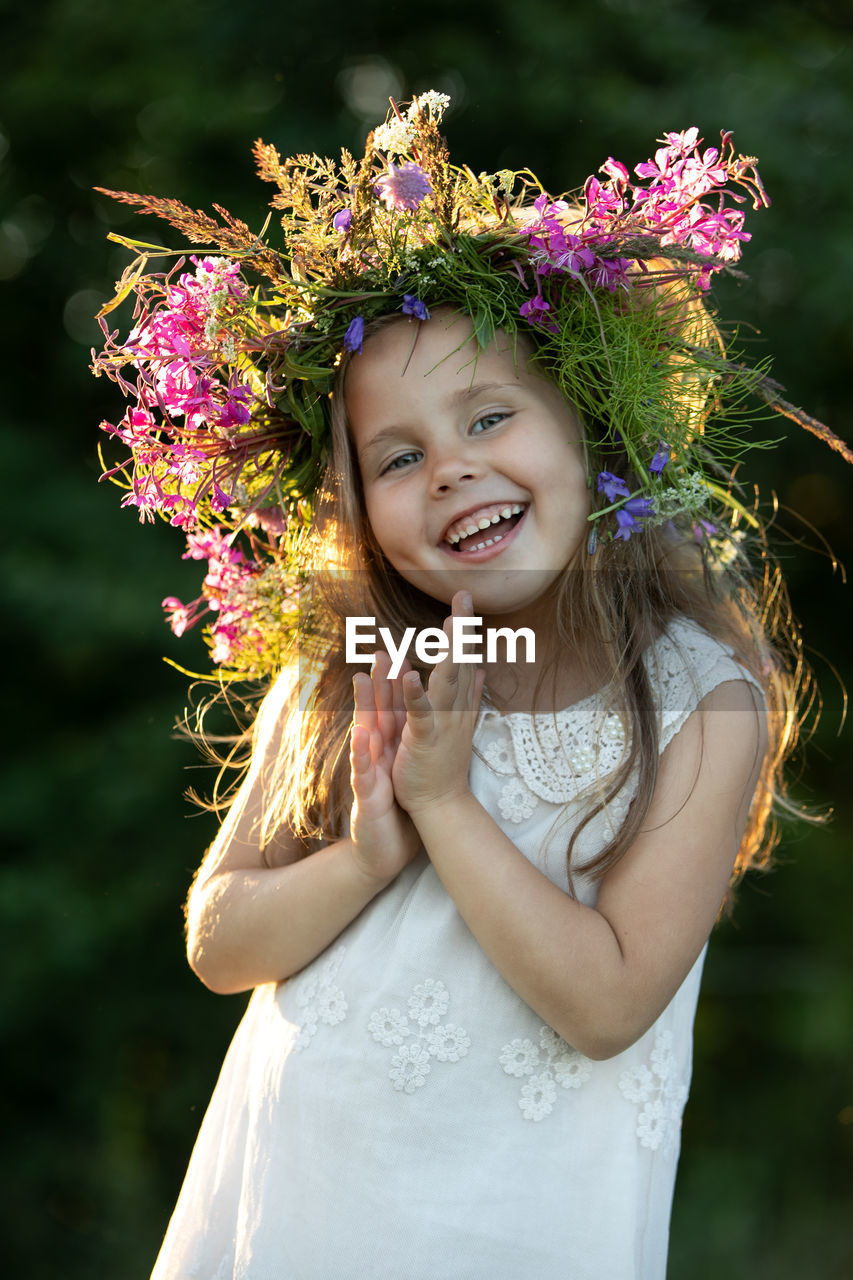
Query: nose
x=453 y=468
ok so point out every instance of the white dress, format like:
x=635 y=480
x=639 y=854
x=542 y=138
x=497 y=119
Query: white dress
x=397 y=1111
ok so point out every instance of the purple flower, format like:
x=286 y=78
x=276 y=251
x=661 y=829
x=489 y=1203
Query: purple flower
x=612 y=486
x=703 y=529
x=342 y=220
x=412 y=306
x=640 y=507
x=220 y=500
x=354 y=335
x=627 y=525
x=660 y=459
x=535 y=309
x=403 y=186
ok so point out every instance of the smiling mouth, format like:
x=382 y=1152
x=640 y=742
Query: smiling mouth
x=485 y=532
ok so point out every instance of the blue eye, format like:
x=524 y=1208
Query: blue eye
x=400 y=461
x=489 y=421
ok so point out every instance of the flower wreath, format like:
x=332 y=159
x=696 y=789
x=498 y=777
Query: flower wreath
x=229 y=367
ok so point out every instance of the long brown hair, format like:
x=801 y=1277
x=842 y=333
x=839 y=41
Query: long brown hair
x=623 y=596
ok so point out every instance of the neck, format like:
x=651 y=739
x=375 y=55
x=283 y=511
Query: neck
x=556 y=679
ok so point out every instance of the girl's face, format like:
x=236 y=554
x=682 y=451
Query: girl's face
x=472 y=464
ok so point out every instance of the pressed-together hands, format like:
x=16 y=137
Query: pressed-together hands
x=409 y=751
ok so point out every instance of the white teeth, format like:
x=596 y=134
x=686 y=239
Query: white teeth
x=490 y=542
x=485 y=522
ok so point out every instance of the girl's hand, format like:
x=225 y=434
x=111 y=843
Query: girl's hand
x=432 y=760
x=384 y=837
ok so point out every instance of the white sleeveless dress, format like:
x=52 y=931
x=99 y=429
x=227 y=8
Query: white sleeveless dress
x=397 y=1112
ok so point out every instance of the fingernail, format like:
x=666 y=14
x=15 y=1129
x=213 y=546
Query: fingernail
x=467 y=601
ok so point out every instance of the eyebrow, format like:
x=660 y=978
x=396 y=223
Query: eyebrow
x=457 y=398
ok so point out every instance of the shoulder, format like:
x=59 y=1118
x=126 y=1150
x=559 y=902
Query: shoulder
x=270 y=719
x=685 y=665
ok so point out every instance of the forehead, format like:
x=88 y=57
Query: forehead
x=437 y=360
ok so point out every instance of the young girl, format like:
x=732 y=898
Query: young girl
x=473 y=896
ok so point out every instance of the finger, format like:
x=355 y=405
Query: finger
x=471 y=674
x=381 y=684
x=397 y=700
x=365 y=714
x=419 y=712
x=462 y=603
x=385 y=691
x=361 y=764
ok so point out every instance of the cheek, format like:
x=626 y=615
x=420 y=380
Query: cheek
x=385 y=525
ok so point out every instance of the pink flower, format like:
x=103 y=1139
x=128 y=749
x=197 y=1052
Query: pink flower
x=404 y=186
x=181 y=617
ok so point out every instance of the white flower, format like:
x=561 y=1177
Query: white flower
x=661 y=1057
x=689 y=493
x=434 y=103
x=516 y=801
x=388 y=1026
x=409 y=1068
x=429 y=1002
x=331 y=1006
x=558 y=1063
x=661 y=1092
x=572 y=1070
x=537 y=1097
x=552 y=1042
x=637 y=1083
x=306 y=1034
x=725 y=547
x=425 y=1035
x=519 y=1057
x=394 y=138
x=320 y=999
x=499 y=755
x=448 y=1043
x=652 y=1124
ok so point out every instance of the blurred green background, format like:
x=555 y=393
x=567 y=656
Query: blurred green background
x=112 y=1045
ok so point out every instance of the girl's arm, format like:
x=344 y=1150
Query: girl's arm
x=260 y=913
x=599 y=975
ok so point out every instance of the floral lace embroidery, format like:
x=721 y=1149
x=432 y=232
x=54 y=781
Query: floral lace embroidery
x=550 y=1063
x=426 y=1035
x=659 y=1092
x=321 y=1000
x=516 y=801
x=550 y=761
x=499 y=755
x=553 y=758
x=684 y=665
